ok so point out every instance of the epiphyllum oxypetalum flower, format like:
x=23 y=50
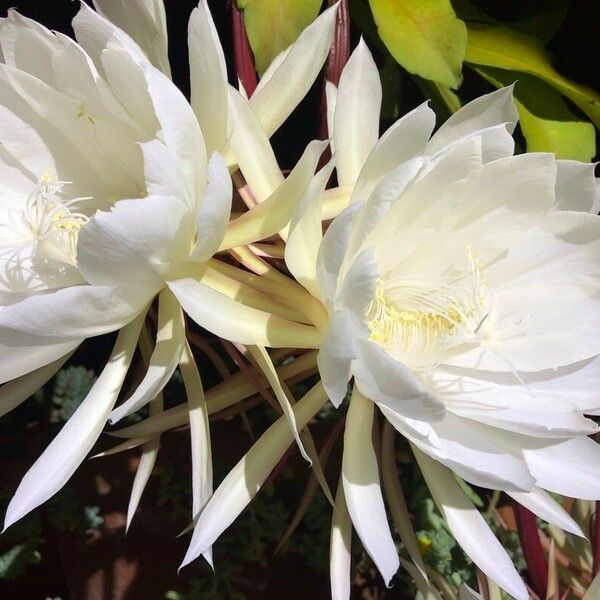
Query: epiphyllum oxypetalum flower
x=108 y=199
x=462 y=285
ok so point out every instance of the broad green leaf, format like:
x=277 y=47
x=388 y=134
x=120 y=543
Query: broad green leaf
x=547 y=123
x=273 y=25
x=424 y=36
x=594 y=589
x=506 y=48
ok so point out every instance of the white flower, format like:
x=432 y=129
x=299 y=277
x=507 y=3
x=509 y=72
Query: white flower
x=463 y=286
x=111 y=195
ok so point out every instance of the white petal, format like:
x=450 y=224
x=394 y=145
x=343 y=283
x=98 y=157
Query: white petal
x=306 y=233
x=576 y=186
x=214 y=210
x=132 y=243
x=544 y=506
x=202 y=471
x=481 y=455
x=180 y=128
x=469 y=528
x=275 y=213
x=362 y=490
x=28 y=46
x=392 y=384
x=285 y=87
x=244 y=481
x=252 y=148
x=19 y=361
x=93 y=32
x=235 y=321
x=145 y=21
x=208 y=78
x=332 y=252
x=13 y=393
x=404 y=140
x=568 y=467
x=492 y=116
x=265 y=364
x=356 y=119
x=74 y=312
x=70 y=447
x=336 y=354
x=340 y=555
x=164 y=360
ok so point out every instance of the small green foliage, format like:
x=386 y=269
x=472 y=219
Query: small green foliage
x=71 y=386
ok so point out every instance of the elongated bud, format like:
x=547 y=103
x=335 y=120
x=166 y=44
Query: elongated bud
x=244 y=60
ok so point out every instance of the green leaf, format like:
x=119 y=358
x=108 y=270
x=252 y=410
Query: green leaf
x=273 y=25
x=547 y=123
x=506 y=48
x=424 y=36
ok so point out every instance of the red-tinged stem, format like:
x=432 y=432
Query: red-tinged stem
x=533 y=552
x=596 y=540
x=337 y=59
x=244 y=60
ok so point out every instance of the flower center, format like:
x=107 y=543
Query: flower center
x=416 y=319
x=52 y=221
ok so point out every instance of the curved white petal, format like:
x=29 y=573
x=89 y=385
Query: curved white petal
x=568 y=467
x=73 y=312
x=340 y=555
x=332 y=252
x=492 y=116
x=577 y=187
x=356 y=118
x=244 y=481
x=170 y=339
x=145 y=21
x=94 y=32
x=214 y=209
x=469 y=528
x=544 y=506
x=70 y=447
x=306 y=233
x=252 y=149
x=362 y=490
x=208 y=78
x=13 y=393
x=274 y=214
x=23 y=358
x=132 y=243
x=404 y=140
x=285 y=87
x=235 y=321
x=336 y=354
x=392 y=384
x=265 y=364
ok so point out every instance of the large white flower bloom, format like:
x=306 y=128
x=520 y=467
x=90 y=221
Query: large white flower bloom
x=463 y=286
x=112 y=194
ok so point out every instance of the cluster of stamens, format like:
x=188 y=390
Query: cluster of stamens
x=52 y=220
x=415 y=320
